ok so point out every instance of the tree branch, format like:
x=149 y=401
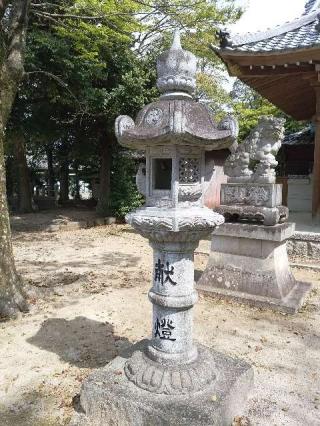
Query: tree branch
x=57 y=79
x=67 y=15
x=55 y=17
x=41 y=5
x=55 y=21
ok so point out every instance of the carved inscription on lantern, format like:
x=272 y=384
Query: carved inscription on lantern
x=163 y=329
x=163 y=273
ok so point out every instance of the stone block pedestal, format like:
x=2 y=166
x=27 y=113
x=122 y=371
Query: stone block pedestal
x=249 y=263
x=109 y=398
x=254 y=202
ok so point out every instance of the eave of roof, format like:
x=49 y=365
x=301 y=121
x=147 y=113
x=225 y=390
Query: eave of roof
x=288 y=67
x=286 y=56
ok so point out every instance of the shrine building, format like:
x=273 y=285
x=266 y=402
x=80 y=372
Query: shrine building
x=283 y=65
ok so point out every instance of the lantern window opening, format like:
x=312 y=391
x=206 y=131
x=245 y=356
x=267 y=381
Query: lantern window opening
x=161 y=174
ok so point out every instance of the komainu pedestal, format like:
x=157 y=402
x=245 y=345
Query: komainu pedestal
x=253 y=202
x=248 y=260
x=249 y=263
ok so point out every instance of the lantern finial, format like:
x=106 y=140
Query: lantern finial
x=176 y=70
x=176 y=44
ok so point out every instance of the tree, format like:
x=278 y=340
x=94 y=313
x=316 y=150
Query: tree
x=86 y=63
x=14 y=21
x=249 y=106
x=24 y=182
x=16 y=147
x=97 y=63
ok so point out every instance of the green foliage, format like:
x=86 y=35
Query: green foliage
x=249 y=106
x=198 y=21
x=248 y=118
x=88 y=61
x=124 y=194
x=80 y=75
x=211 y=91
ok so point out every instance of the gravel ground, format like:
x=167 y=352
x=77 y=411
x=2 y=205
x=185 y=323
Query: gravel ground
x=88 y=295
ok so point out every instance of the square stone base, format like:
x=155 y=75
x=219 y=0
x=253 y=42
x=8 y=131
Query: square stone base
x=289 y=304
x=249 y=263
x=109 y=398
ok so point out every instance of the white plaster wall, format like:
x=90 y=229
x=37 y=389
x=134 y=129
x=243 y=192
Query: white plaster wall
x=300 y=195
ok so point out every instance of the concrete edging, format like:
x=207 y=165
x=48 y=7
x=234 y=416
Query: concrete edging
x=304 y=245
x=82 y=224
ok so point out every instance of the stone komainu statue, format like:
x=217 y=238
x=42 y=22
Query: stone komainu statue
x=251 y=193
x=254 y=160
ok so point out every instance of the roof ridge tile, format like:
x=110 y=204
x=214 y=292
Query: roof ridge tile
x=238 y=40
x=311 y=14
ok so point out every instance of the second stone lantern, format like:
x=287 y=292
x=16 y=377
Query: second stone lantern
x=169 y=379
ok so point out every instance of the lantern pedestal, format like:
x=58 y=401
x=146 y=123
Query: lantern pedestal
x=168 y=379
x=108 y=397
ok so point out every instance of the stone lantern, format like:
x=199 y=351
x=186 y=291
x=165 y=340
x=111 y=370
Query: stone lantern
x=169 y=378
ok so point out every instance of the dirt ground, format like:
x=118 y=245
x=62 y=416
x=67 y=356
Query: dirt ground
x=88 y=296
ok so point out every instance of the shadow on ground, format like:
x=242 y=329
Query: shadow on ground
x=27 y=411
x=82 y=342
x=40 y=221
x=116 y=259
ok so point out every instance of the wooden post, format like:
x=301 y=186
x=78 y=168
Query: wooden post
x=316 y=161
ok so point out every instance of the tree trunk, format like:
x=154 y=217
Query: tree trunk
x=76 y=182
x=51 y=179
x=24 y=182
x=103 y=206
x=64 y=181
x=9 y=164
x=12 y=298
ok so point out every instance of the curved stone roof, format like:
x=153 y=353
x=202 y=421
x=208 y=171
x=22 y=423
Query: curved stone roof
x=176 y=118
x=182 y=121
x=303 y=32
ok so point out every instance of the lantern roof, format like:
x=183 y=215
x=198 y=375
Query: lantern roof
x=176 y=118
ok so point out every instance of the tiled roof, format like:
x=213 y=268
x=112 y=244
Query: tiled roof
x=304 y=137
x=303 y=32
x=305 y=36
x=309 y=5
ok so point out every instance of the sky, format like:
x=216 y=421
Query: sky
x=263 y=14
